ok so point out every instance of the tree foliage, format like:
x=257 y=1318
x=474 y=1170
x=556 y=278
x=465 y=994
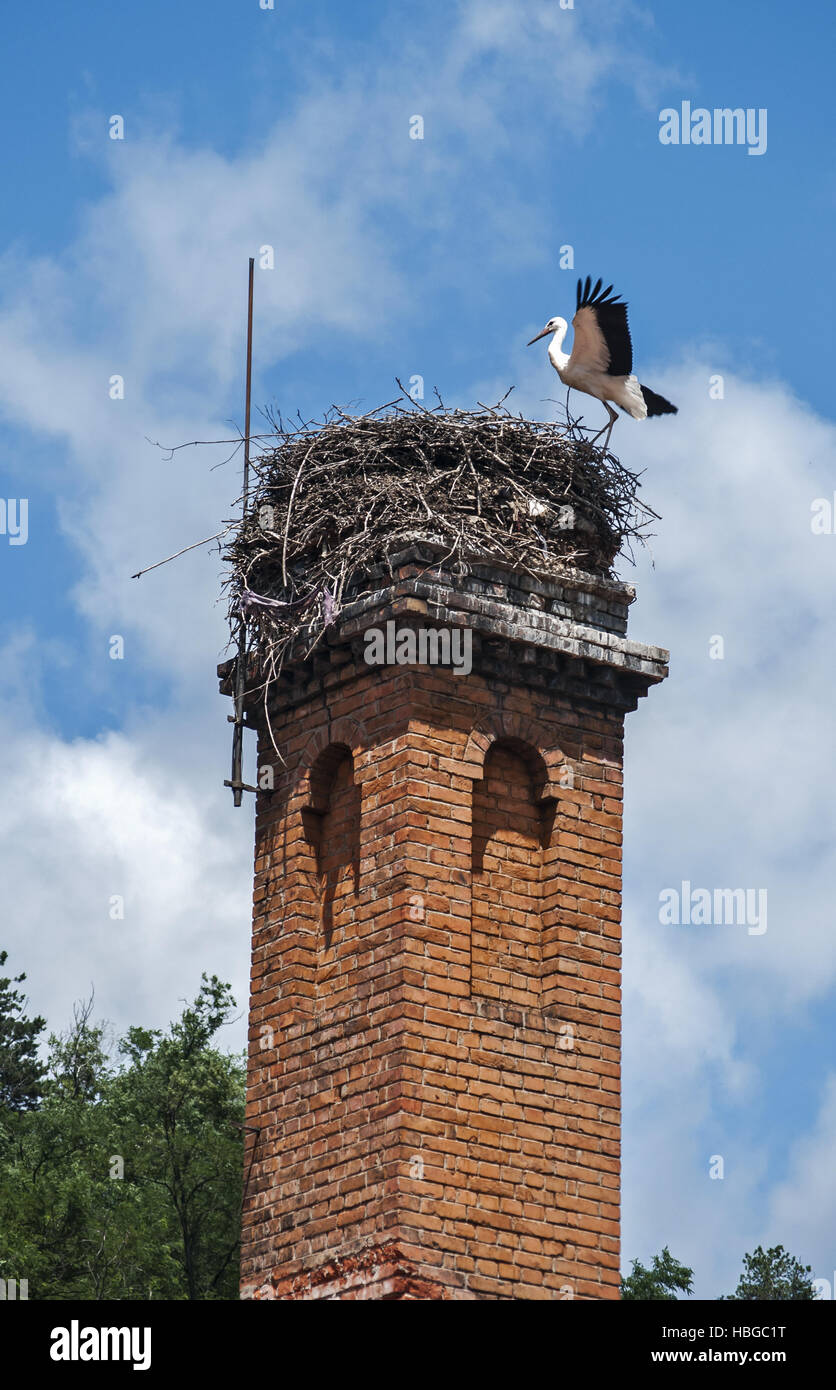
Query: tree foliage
x=767 y=1275
x=125 y=1181
x=665 y=1278
x=774 y=1274
x=21 y=1071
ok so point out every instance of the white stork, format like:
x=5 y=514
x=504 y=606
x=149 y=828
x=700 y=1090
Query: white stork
x=601 y=361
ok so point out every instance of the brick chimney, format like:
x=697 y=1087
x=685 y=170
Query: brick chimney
x=434 y=1041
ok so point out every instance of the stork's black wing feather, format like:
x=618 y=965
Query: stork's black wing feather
x=611 y=316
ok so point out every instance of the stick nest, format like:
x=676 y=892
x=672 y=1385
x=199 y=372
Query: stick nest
x=339 y=496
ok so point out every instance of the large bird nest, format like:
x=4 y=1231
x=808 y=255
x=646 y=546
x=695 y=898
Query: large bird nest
x=336 y=498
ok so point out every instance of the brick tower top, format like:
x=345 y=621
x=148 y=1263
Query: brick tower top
x=433 y=1079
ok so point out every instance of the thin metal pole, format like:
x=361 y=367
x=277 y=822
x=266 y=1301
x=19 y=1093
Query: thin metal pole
x=241 y=664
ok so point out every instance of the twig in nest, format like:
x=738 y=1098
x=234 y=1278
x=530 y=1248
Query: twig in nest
x=349 y=492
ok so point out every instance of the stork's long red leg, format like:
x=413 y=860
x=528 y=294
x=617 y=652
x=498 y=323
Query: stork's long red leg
x=612 y=417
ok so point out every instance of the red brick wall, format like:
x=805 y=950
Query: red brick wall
x=434 y=1063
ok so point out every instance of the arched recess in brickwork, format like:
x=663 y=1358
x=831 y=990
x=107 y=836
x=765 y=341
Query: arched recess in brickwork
x=330 y=811
x=347 y=733
x=515 y=897
x=312 y=896
x=552 y=771
x=511 y=825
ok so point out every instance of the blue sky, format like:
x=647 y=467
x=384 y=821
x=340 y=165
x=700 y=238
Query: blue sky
x=246 y=127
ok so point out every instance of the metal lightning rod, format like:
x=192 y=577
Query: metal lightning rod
x=241 y=664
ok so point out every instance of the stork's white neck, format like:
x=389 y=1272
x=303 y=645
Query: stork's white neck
x=557 y=357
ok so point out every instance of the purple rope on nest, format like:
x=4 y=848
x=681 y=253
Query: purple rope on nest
x=250 y=602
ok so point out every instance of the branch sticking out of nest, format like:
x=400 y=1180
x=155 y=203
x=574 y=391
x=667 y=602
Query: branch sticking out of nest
x=337 y=496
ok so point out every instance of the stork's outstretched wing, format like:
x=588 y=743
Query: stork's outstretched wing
x=602 y=337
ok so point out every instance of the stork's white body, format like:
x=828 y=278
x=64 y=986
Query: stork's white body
x=588 y=376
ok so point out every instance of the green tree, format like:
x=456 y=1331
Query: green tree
x=773 y=1274
x=21 y=1072
x=125 y=1183
x=55 y=1199
x=665 y=1277
x=178 y=1111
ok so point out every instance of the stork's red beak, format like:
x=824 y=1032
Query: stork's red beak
x=538 y=337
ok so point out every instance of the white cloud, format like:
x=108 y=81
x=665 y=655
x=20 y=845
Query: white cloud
x=568 y=58
x=803 y=1206
x=87 y=821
